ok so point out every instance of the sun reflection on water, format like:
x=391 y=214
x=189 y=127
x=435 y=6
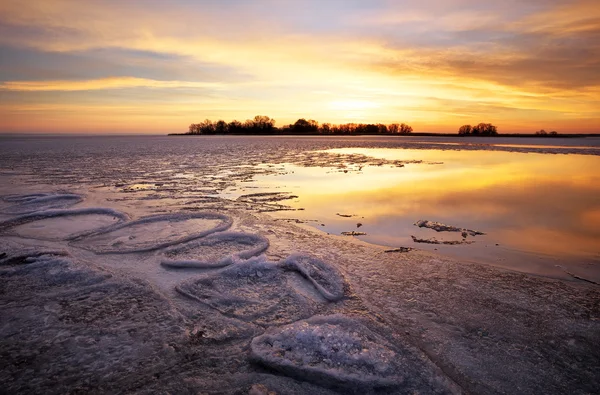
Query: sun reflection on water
x=525 y=203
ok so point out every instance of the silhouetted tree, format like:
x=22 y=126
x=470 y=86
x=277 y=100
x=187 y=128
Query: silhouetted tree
x=465 y=130
x=262 y=124
x=482 y=129
x=485 y=129
x=303 y=126
x=235 y=127
x=405 y=129
x=553 y=133
x=221 y=127
x=541 y=132
x=325 y=128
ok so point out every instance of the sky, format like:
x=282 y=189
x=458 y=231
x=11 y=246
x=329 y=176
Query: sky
x=104 y=66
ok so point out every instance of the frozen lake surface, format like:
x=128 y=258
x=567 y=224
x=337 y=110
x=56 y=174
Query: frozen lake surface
x=220 y=264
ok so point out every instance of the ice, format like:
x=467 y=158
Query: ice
x=63 y=224
x=439 y=227
x=65 y=227
x=217 y=250
x=156 y=232
x=43 y=270
x=330 y=350
x=255 y=290
x=325 y=277
x=433 y=240
x=30 y=203
x=73 y=320
x=67 y=327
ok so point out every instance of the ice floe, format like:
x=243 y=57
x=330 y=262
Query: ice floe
x=156 y=232
x=59 y=224
x=439 y=227
x=255 y=290
x=325 y=277
x=217 y=250
x=433 y=240
x=330 y=350
x=353 y=233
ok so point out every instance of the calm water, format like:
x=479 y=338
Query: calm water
x=537 y=200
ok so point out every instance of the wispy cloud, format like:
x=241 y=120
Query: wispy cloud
x=104 y=83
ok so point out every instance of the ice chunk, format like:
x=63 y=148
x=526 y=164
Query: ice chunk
x=326 y=278
x=433 y=240
x=330 y=350
x=439 y=227
x=255 y=290
x=63 y=224
x=30 y=203
x=217 y=250
x=156 y=232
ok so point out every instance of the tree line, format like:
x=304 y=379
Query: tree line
x=262 y=124
x=482 y=129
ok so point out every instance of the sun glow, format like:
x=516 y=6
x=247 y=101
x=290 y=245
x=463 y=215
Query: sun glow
x=143 y=59
x=352 y=105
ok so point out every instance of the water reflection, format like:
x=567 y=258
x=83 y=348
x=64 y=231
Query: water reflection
x=537 y=210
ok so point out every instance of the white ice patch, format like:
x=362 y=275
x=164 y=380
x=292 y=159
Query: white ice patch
x=63 y=224
x=156 y=232
x=329 y=350
x=23 y=204
x=326 y=278
x=217 y=250
x=255 y=290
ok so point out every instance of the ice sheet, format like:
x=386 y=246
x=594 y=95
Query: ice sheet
x=67 y=224
x=333 y=350
x=155 y=232
x=217 y=250
x=256 y=291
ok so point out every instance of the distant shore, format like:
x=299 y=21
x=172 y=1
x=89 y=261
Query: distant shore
x=414 y=134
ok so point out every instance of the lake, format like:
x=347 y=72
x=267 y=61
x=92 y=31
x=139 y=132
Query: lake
x=537 y=201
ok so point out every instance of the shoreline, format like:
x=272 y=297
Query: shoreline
x=413 y=134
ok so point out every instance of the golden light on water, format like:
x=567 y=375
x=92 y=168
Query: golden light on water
x=541 y=203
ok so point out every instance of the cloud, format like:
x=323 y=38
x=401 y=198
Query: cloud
x=512 y=58
x=104 y=83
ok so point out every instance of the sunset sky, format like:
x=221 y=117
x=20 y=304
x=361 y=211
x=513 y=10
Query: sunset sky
x=157 y=66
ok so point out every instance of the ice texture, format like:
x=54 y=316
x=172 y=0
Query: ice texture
x=156 y=232
x=70 y=328
x=325 y=277
x=59 y=224
x=256 y=290
x=330 y=350
x=217 y=250
x=29 y=203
